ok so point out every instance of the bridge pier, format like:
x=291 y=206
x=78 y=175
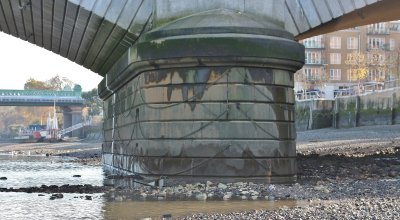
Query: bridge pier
x=73 y=115
x=192 y=101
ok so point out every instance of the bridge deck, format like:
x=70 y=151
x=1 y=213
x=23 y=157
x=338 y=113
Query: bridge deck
x=40 y=98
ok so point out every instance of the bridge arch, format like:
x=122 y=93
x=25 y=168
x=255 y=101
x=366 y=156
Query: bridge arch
x=95 y=34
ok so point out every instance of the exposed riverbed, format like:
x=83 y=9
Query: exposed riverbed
x=37 y=185
x=343 y=174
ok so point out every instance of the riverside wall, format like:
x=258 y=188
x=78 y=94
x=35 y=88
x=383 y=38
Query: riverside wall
x=378 y=108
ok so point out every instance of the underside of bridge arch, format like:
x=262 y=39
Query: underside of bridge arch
x=97 y=33
x=381 y=11
x=91 y=33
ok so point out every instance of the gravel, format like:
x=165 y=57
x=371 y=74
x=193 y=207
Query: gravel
x=343 y=174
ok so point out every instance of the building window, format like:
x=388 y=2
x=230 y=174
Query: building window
x=352 y=43
x=313 y=42
x=335 y=42
x=392 y=44
x=313 y=57
x=395 y=27
x=375 y=75
x=376 y=58
x=350 y=76
x=312 y=74
x=376 y=42
x=336 y=58
x=335 y=74
x=378 y=28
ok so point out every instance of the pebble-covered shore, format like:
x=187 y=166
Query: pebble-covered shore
x=375 y=208
x=343 y=174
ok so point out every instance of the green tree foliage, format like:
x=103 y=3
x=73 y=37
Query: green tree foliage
x=92 y=102
x=32 y=84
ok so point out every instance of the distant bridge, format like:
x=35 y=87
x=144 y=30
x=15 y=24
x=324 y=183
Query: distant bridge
x=40 y=98
x=70 y=101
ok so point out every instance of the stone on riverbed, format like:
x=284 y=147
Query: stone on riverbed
x=222 y=186
x=201 y=196
x=56 y=196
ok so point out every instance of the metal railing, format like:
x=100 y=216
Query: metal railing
x=40 y=96
x=370 y=87
x=41 y=99
x=364 y=88
x=378 y=31
x=50 y=93
x=309 y=95
x=75 y=127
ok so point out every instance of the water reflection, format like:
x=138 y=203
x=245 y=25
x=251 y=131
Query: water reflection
x=179 y=209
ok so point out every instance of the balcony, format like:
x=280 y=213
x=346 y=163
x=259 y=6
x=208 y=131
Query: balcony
x=314 y=46
x=384 y=47
x=385 y=31
x=314 y=62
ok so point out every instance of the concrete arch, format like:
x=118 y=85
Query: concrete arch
x=91 y=33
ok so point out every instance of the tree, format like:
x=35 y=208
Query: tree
x=383 y=61
x=58 y=83
x=9 y=116
x=358 y=66
x=32 y=84
x=54 y=83
x=92 y=102
x=314 y=79
x=395 y=67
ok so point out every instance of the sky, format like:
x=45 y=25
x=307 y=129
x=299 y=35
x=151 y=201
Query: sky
x=21 y=60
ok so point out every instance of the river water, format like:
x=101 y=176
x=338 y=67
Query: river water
x=29 y=171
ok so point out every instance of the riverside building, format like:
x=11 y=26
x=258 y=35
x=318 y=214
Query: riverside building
x=325 y=68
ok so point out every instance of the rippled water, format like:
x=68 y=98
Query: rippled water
x=28 y=171
x=31 y=206
x=36 y=171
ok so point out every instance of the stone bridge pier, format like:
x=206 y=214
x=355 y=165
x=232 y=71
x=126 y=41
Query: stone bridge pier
x=73 y=115
x=205 y=95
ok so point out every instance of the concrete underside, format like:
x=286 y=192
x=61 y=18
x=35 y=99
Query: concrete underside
x=95 y=34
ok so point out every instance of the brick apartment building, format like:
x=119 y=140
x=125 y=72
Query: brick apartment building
x=325 y=66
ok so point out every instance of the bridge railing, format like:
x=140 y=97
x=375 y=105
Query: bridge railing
x=6 y=92
x=361 y=89
x=75 y=127
x=30 y=99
